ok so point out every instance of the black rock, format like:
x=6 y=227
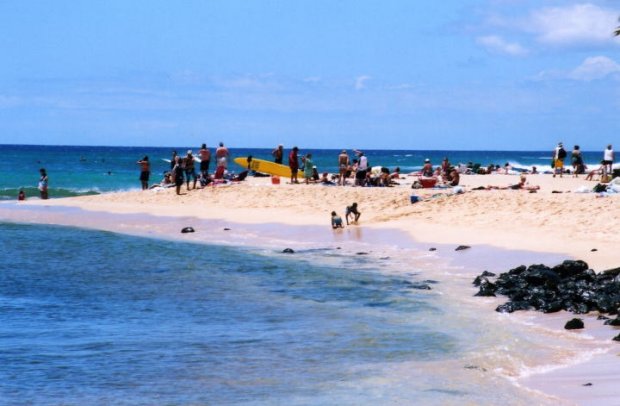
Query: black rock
x=432 y=249
x=288 y=251
x=419 y=286
x=361 y=253
x=462 y=247
x=587 y=384
x=593 y=250
x=187 y=230
x=487 y=274
x=612 y=322
x=616 y=338
x=601 y=317
x=574 y=324
x=226 y=229
x=486 y=288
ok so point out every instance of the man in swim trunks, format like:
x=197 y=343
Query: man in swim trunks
x=222 y=154
x=145 y=172
x=343 y=167
x=190 y=170
x=205 y=160
x=278 y=154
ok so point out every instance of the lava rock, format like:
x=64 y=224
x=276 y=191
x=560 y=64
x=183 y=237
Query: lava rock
x=462 y=247
x=612 y=322
x=574 y=324
x=226 y=229
x=187 y=230
x=288 y=251
x=616 y=338
x=486 y=288
x=432 y=249
x=361 y=253
x=593 y=250
x=587 y=384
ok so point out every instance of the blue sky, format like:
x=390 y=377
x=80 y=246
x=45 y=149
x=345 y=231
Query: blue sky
x=494 y=74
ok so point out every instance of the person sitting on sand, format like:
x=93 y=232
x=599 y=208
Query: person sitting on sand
x=453 y=177
x=21 y=195
x=427 y=169
x=396 y=173
x=165 y=182
x=352 y=211
x=602 y=170
x=325 y=179
x=336 y=221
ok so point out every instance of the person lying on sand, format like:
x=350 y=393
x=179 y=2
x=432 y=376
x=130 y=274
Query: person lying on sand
x=519 y=186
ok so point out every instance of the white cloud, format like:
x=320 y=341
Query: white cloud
x=575 y=24
x=360 y=82
x=496 y=44
x=595 y=67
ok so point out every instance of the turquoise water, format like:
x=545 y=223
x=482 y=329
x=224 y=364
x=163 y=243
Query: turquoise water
x=91 y=317
x=91 y=170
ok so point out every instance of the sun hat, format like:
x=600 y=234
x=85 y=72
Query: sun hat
x=189 y=152
x=427 y=160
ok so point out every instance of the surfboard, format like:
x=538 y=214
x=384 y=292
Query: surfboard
x=268 y=167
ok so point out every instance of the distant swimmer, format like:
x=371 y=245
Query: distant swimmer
x=145 y=172
x=43 y=183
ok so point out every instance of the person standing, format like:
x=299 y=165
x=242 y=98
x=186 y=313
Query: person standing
x=205 y=160
x=343 y=167
x=293 y=163
x=190 y=171
x=221 y=155
x=308 y=168
x=278 y=154
x=558 y=159
x=608 y=158
x=362 y=167
x=577 y=161
x=177 y=173
x=43 y=181
x=173 y=159
x=145 y=172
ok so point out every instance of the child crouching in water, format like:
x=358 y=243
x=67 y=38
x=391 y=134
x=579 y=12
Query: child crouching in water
x=336 y=221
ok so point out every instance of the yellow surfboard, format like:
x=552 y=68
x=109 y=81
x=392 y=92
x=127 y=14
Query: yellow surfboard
x=268 y=167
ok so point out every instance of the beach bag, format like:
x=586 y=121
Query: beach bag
x=599 y=188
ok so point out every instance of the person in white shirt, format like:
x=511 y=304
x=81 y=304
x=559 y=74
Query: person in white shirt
x=608 y=158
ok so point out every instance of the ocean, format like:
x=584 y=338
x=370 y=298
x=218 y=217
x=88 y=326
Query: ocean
x=76 y=170
x=97 y=317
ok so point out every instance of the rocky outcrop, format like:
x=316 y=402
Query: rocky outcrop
x=570 y=286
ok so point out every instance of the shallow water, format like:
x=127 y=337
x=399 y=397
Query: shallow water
x=97 y=317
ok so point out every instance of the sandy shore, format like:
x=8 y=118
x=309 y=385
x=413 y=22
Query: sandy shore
x=566 y=223
x=555 y=219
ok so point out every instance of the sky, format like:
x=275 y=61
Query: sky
x=389 y=74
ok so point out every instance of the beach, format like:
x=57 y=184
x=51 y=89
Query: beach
x=554 y=221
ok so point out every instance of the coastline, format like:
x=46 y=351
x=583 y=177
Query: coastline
x=497 y=218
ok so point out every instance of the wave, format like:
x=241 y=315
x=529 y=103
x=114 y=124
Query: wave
x=11 y=193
